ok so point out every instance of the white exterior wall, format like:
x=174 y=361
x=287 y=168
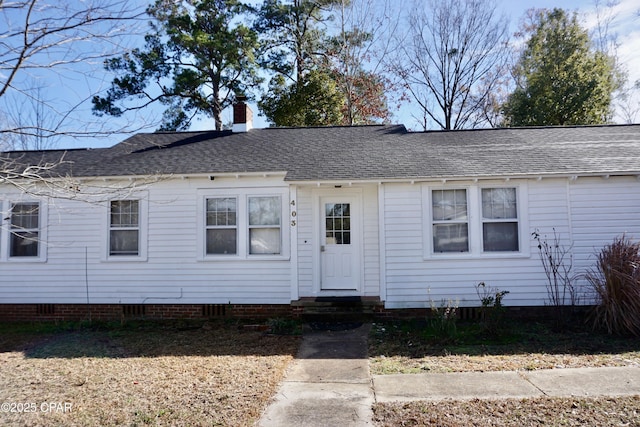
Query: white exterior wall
x=174 y=269
x=586 y=213
x=603 y=209
x=308 y=226
x=306 y=242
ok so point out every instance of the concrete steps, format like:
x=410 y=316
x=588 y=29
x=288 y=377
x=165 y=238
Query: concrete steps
x=338 y=309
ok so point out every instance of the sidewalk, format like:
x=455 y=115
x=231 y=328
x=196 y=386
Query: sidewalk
x=329 y=383
x=580 y=382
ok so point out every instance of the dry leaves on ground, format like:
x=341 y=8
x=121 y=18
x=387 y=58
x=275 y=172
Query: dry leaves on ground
x=149 y=376
x=381 y=365
x=604 y=411
x=395 y=350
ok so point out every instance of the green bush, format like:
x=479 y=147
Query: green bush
x=282 y=326
x=616 y=282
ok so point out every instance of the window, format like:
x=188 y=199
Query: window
x=124 y=228
x=338 y=223
x=221 y=226
x=499 y=220
x=25 y=230
x=264 y=225
x=450 y=220
x=242 y=223
x=477 y=220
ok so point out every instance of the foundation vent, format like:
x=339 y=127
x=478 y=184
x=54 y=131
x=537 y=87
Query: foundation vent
x=136 y=310
x=214 y=310
x=45 y=309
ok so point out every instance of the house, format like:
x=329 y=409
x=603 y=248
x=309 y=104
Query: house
x=253 y=221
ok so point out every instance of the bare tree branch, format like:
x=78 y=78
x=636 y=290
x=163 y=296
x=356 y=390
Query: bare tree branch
x=355 y=56
x=48 y=42
x=449 y=56
x=48 y=174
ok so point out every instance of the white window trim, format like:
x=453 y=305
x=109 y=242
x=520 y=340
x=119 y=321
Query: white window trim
x=242 y=211
x=502 y=220
x=206 y=227
x=283 y=207
x=143 y=226
x=5 y=245
x=432 y=222
x=474 y=213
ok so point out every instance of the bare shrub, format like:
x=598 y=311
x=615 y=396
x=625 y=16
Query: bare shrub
x=616 y=282
x=557 y=263
x=491 y=311
x=443 y=319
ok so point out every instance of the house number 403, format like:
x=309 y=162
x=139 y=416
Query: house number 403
x=293 y=214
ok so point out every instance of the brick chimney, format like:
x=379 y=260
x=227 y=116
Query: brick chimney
x=242 y=115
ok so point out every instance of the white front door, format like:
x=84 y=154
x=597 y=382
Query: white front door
x=339 y=253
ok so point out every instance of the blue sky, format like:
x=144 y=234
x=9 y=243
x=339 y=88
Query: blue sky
x=626 y=26
x=72 y=87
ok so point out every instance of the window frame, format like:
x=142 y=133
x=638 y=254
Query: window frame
x=251 y=227
x=21 y=233
x=142 y=228
x=475 y=219
x=208 y=226
x=243 y=236
x=120 y=227
x=435 y=222
x=505 y=220
x=6 y=206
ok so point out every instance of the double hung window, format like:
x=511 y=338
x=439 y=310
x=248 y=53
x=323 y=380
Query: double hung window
x=124 y=228
x=450 y=220
x=24 y=238
x=499 y=220
x=221 y=226
x=264 y=225
x=237 y=225
x=475 y=220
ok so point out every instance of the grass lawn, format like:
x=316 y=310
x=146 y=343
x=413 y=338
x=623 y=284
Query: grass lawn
x=191 y=374
x=414 y=346
x=418 y=346
x=178 y=374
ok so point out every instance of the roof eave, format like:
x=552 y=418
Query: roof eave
x=473 y=178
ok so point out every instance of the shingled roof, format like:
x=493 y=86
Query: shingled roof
x=360 y=153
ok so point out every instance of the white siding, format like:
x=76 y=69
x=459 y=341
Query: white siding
x=603 y=209
x=414 y=278
x=171 y=274
x=587 y=213
x=371 y=283
x=305 y=242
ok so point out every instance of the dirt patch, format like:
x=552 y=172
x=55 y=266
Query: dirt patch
x=606 y=411
x=145 y=375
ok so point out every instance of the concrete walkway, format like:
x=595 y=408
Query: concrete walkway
x=579 y=382
x=329 y=383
